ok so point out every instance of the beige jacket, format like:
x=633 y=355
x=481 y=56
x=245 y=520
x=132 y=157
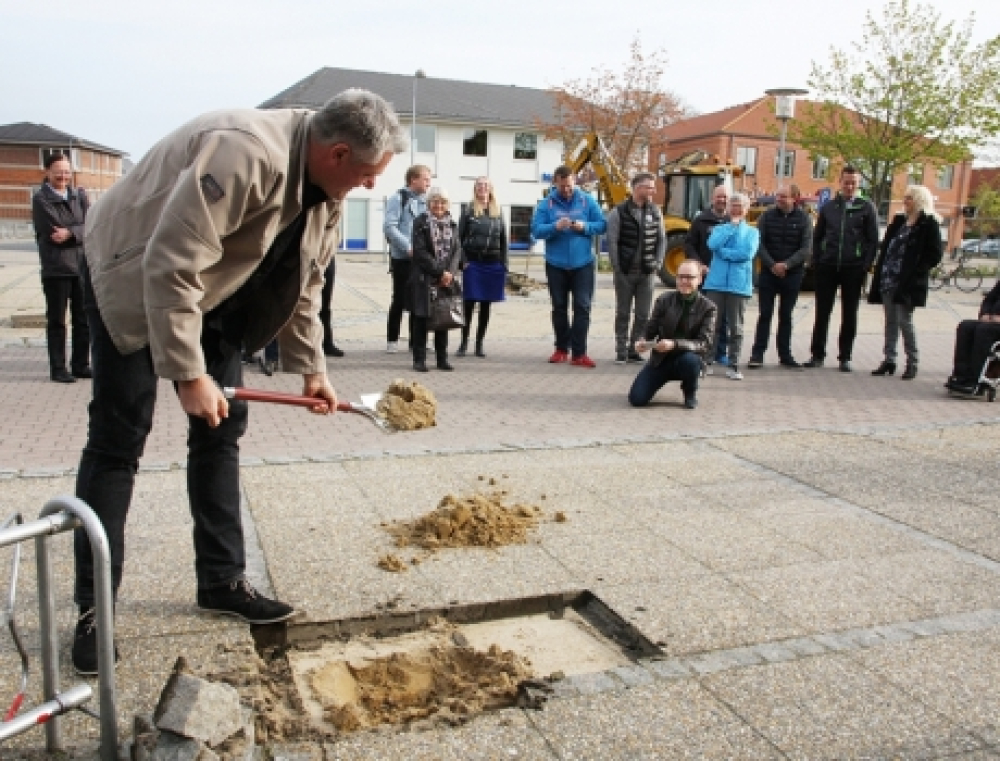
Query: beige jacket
x=191 y=222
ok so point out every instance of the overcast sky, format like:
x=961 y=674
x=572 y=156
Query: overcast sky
x=125 y=73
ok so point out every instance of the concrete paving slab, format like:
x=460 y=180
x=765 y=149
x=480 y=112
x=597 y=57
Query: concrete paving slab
x=835 y=537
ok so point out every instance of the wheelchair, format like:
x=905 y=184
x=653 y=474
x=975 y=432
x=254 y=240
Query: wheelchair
x=989 y=377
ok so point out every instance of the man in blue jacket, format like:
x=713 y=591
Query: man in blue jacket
x=567 y=220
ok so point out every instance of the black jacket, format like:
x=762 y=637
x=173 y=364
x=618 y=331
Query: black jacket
x=846 y=234
x=483 y=238
x=50 y=210
x=784 y=238
x=922 y=254
x=663 y=324
x=696 y=242
x=427 y=269
x=991 y=304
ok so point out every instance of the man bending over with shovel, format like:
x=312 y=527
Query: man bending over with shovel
x=215 y=241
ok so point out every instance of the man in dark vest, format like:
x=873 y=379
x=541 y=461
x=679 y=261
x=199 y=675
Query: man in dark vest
x=636 y=244
x=785 y=243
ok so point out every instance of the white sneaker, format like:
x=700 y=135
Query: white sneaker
x=392 y=347
x=733 y=373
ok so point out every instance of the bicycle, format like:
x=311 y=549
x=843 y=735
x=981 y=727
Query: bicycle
x=966 y=279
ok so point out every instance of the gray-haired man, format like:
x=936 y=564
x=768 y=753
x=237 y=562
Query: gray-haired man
x=216 y=241
x=636 y=244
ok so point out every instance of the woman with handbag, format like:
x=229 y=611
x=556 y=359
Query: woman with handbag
x=483 y=234
x=434 y=291
x=911 y=248
x=58 y=211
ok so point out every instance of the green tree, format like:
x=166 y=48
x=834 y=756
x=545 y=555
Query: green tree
x=913 y=90
x=987 y=202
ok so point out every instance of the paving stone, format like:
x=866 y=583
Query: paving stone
x=672 y=669
x=590 y=684
x=633 y=676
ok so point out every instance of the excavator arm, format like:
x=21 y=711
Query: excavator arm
x=610 y=177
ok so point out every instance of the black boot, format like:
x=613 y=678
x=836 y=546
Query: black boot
x=462 y=347
x=479 y=349
x=443 y=363
x=910 y=372
x=886 y=368
x=420 y=359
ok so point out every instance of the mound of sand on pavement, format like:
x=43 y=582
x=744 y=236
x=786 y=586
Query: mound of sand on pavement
x=408 y=406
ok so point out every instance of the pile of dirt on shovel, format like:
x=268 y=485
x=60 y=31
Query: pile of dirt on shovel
x=477 y=520
x=408 y=406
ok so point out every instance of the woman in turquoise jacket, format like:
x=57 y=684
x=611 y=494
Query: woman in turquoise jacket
x=729 y=283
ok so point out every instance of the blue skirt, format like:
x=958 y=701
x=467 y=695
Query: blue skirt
x=484 y=282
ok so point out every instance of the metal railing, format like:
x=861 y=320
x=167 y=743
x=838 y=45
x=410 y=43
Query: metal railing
x=58 y=515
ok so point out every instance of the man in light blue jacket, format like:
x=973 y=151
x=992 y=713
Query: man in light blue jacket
x=568 y=220
x=400 y=210
x=730 y=279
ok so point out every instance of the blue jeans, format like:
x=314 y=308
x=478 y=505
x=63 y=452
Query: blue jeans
x=580 y=284
x=683 y=366
x=770 y=287
x=121 y=417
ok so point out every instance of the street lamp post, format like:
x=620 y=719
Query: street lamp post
x=413 y=121
x=784 y=109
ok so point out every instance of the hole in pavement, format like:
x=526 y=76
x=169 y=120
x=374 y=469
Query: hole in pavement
x=439 y=666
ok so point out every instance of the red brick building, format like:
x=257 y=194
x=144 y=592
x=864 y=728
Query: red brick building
x=746 y=135
x=23 y=149
x=982 y=177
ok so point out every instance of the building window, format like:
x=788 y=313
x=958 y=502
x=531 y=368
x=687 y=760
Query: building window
x=525 y=145
x=474 y=143
x=520 y=227
x=789 y=164
x=747 y=158
x=946 y=177
x=915 y=174
x=355 y=230
x=821 y=168
x=425 y=138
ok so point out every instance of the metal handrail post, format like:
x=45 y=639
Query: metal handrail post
x=103 y=616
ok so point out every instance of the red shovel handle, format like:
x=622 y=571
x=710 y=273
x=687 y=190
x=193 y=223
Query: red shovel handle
x=276 y=397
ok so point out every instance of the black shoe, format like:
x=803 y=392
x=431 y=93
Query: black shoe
x=62 y=375
x=420 y=366
x=813 y=362
x=755 y=362
x=85 y=644
x=621 y=358
x=331 y=350
x=634 y=356
x=479 y=350
x=845 y=366
x=444 y=364
x=886 y=368
x=462 y=348
x=268 y=366
x=83 y=372
x=791 y=364
x=241 y=600
x=960 y=387
x=690 y=401
x=910 y=372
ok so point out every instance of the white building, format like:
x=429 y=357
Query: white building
x=463 y=130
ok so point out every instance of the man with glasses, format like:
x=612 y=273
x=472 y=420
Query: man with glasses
x=636 y=244
x=696 y=247
x=785 y=241
x=844 y=244
x=680 y=331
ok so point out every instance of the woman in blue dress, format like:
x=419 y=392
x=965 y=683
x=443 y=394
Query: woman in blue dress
x=483 y=235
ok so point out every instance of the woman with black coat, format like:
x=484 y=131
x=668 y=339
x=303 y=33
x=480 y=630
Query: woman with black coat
x=483 y=235
x=58 y=212
x=437 y=258
x=910 y=250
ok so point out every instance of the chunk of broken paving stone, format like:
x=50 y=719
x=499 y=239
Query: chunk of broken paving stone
x=199 y=709
x=171 y=747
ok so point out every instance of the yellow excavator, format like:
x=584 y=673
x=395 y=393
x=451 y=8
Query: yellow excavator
x=688 y=183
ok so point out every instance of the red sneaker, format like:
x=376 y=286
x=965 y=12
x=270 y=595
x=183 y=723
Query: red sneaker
x=583 y=361
x=559 y=356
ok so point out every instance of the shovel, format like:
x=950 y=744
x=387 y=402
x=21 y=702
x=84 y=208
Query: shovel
x=367 y=407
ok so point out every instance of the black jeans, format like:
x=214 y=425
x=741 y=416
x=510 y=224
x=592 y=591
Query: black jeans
x=770 y=287
x=400 y=279
x=829 y=278
x=121 y=416
x=973 y=341
x=683 y=366
x=418 y=334
x=326 y=298
x=61 y=292
x=578 y=283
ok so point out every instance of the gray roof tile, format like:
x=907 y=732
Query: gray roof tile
x=43 y=134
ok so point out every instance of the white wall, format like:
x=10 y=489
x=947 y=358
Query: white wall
x=517 y=182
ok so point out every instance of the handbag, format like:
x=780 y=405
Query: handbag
x=446 y=309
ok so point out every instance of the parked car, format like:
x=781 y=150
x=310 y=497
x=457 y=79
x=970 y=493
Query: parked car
x=981 y=247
